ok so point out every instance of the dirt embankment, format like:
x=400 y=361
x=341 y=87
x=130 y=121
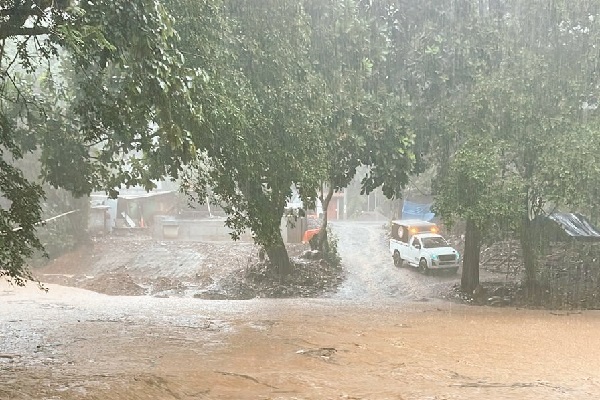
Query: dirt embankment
x=137 y=265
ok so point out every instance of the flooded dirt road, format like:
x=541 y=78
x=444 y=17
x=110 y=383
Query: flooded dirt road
x=371 y=276
x=383 y=335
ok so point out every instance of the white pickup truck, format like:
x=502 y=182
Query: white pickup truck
x=418 y=244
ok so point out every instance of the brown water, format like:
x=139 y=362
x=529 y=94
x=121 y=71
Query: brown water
x=72 y=344
x=383 y=335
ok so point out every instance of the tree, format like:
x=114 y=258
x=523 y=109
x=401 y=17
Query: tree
x=260 y=117
x=295 y=101
x=112 y=85
x=439 y=51
x=476 y=188
x=531 y=98
x=363 y=123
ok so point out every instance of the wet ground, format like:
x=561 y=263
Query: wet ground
x=384 y=334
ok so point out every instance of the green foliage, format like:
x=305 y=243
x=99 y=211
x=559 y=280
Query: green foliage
x=572 y=175
x=517 y=131
x=362 y=119
x=477 y=187
x=331 y=254
x=363 y=122
x=258 y=136
x=20 y=211
x=296 y=100
x=251 y=98
x=90 y=86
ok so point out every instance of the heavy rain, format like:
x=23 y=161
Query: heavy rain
x=313 y=199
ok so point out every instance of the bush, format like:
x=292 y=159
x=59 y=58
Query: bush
x=330 y=252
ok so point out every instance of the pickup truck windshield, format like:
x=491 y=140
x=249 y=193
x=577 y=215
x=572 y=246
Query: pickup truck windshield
x=433 y=242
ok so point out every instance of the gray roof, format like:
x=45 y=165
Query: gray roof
x=576 y=226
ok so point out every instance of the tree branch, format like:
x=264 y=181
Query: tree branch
x=10 y=31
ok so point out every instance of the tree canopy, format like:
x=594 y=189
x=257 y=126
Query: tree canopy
x=88 y=86
x=525 y=108
x=307 y=107
x=247 y=99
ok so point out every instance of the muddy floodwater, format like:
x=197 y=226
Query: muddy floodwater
x=384 y=334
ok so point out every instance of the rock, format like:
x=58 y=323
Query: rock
x=307 y=255
x=211 y=295
x=479 y=293
x=502 y=291
x=312 y=255
x=496 y=301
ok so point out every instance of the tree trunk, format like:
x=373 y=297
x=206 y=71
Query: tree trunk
x=79 y=220
x=527 y=239
x=279 y=257
x=267 y=228
x=470 y=273
x=322 y=240
x=529 y=253
x=275 y=247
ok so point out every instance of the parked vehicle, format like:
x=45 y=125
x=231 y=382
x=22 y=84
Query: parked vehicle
x=418 y=244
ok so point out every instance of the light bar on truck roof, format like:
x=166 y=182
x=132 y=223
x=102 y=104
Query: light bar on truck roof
x=413 y=230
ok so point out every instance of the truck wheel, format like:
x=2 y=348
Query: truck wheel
x=423 y=266
x=397 y=259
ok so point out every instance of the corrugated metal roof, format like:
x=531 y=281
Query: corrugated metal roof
x=576 y=226
x=130 y=194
